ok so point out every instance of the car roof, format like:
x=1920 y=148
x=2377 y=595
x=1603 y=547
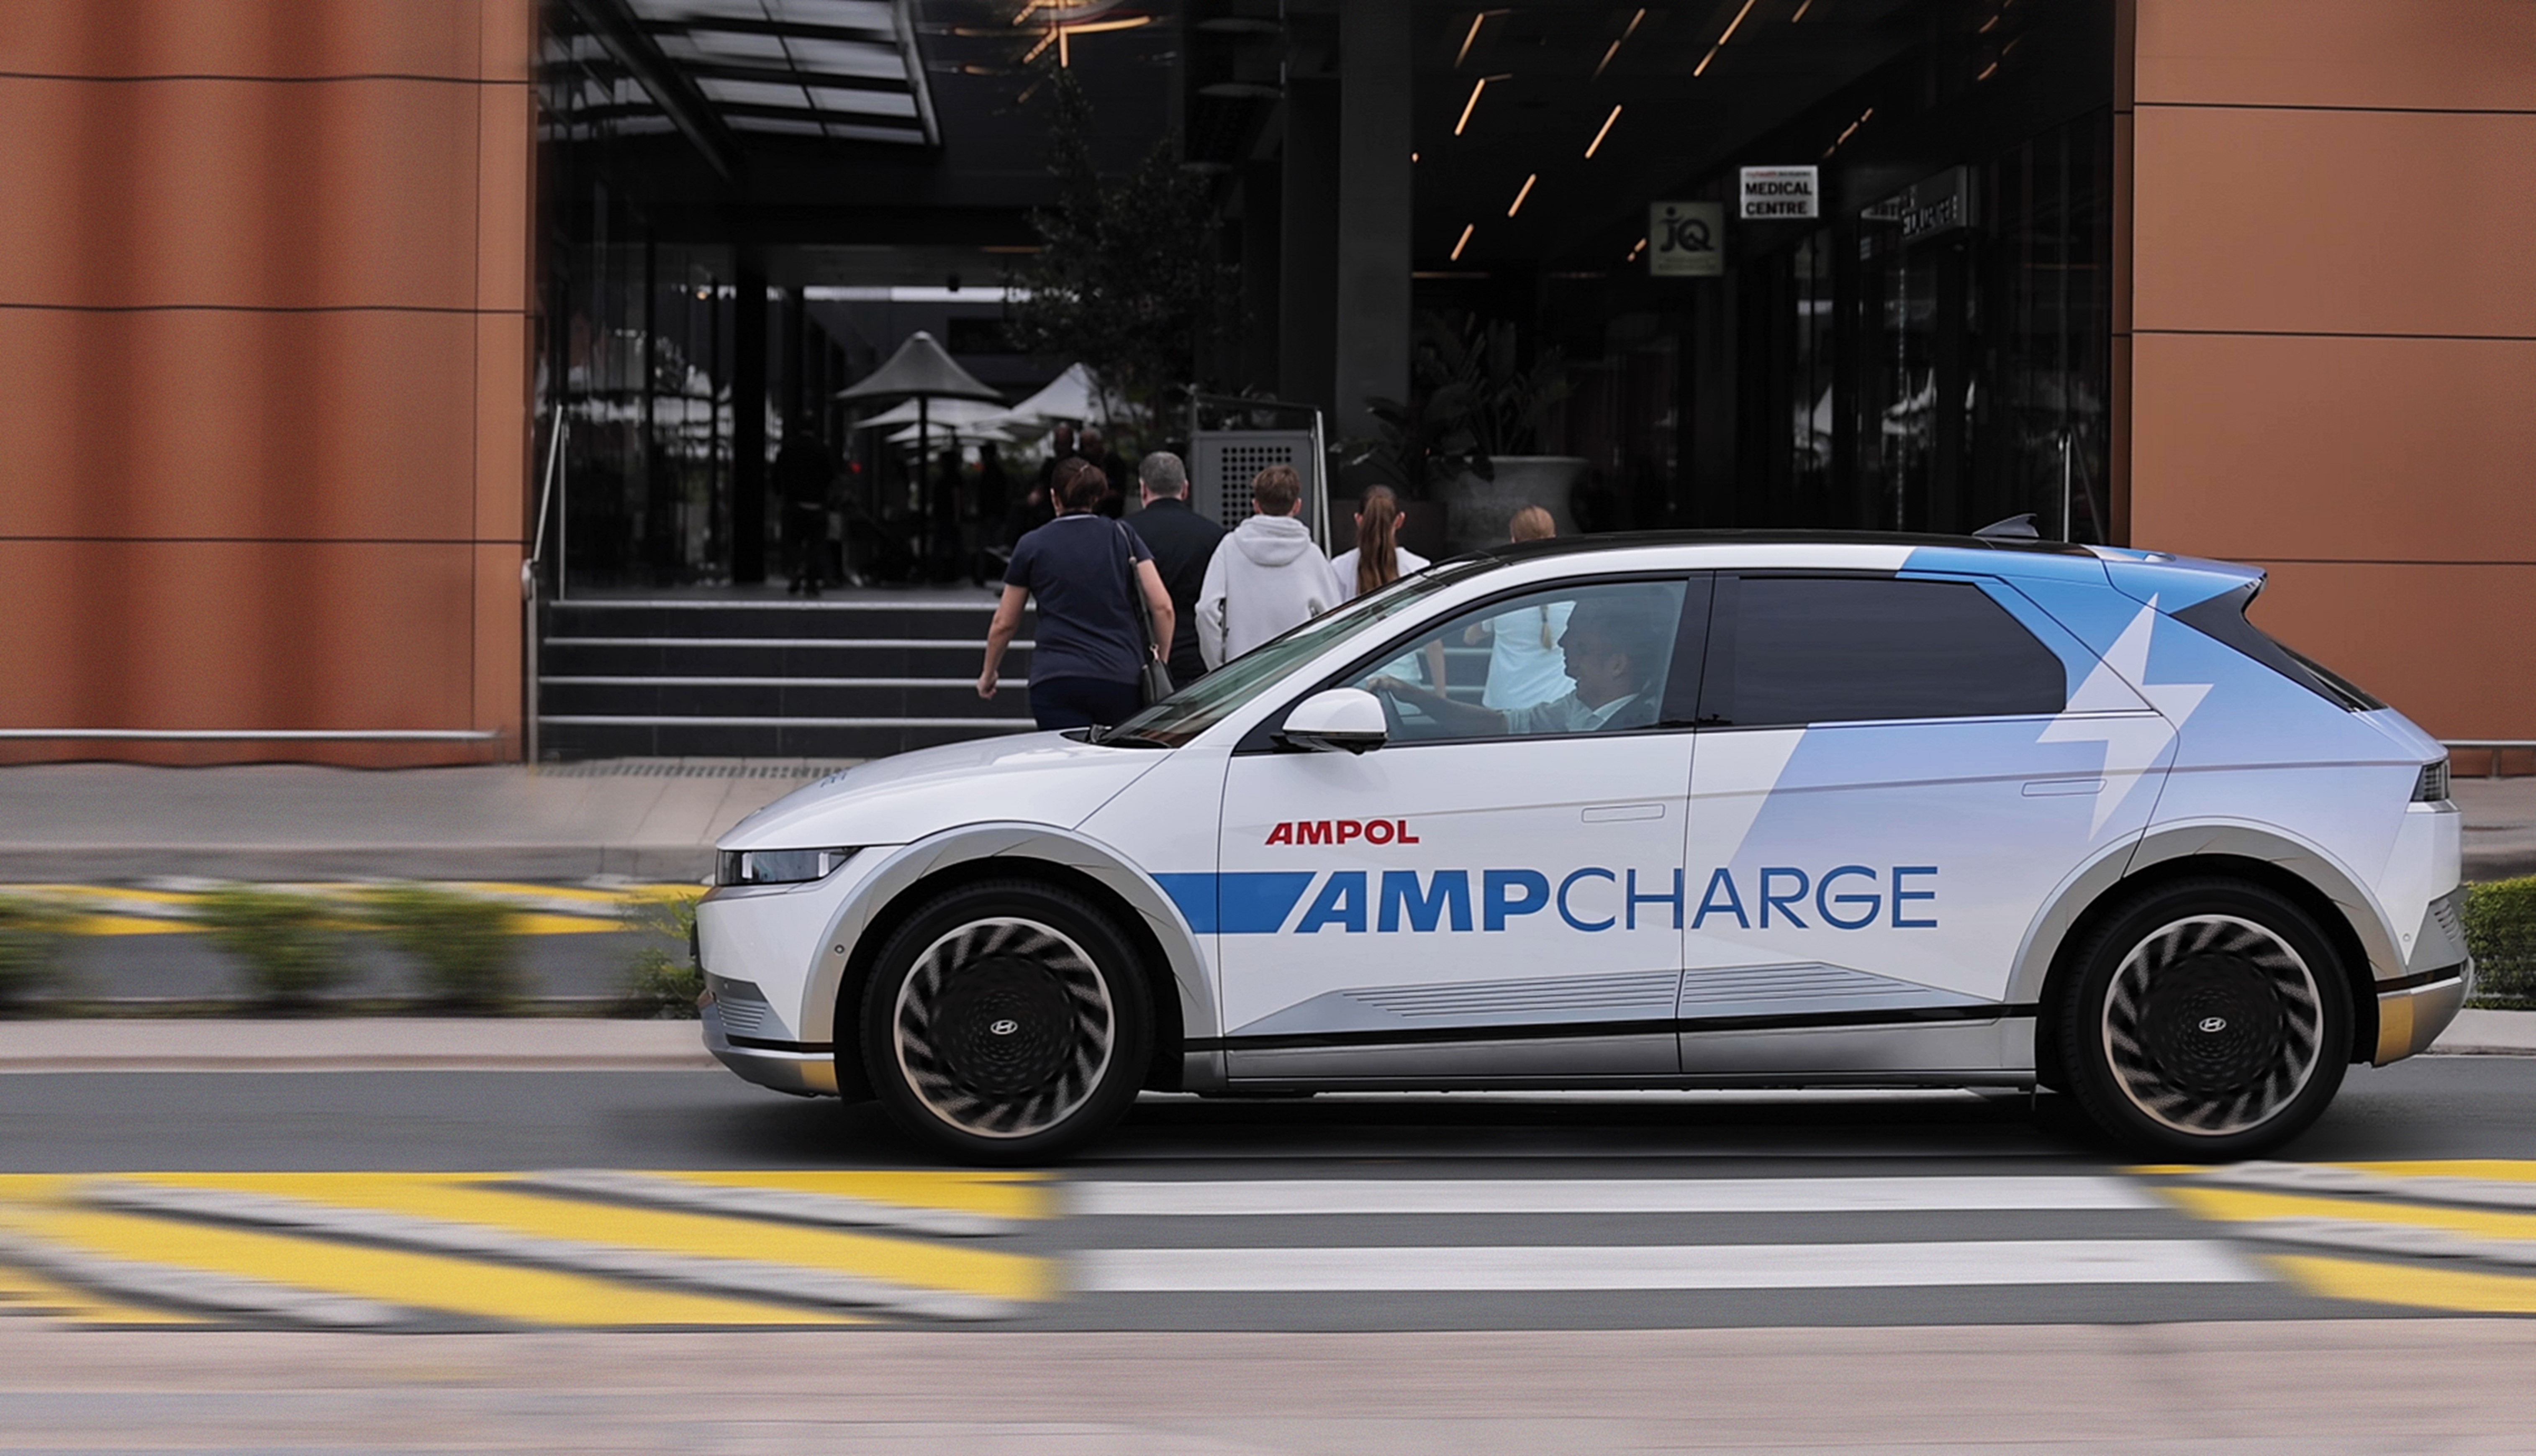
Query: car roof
x=1563 y=545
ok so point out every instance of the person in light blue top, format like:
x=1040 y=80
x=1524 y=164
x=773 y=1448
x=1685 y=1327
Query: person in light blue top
x=1525 y=665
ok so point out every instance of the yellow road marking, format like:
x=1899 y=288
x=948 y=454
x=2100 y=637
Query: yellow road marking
x=2245 y=1205
x=47 y=1205
x=121 y=910
x=2414 y=1286
x=478 y=1199
x=2498 y=1170
x=431 y=1282
x=608 y=900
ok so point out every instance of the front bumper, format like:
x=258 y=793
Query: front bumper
x=2411 y=1017
x=801 y=1072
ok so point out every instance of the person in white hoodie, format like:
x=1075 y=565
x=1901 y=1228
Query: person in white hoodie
x=1266 y=577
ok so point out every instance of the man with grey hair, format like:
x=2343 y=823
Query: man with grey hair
x=1182 y=542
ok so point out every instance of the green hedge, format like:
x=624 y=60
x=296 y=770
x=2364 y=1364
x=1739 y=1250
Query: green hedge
x=466 y=947
x=2501 y=931
x=30 y=942
x=663 y=980
x=292 y=946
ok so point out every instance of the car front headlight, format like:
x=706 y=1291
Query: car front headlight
x=776 y=866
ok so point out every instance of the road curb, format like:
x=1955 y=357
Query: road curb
x=381 y=1043
x=291 y=863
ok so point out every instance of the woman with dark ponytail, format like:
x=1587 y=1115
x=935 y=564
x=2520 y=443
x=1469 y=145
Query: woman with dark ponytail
x=1377 y=560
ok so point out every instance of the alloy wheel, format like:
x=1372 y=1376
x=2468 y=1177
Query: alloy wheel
x=2213 y=1025
x=1004 y=1027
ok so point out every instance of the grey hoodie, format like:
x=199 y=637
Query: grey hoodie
x=1266 y=577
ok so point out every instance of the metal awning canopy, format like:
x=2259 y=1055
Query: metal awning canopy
x=840 y=70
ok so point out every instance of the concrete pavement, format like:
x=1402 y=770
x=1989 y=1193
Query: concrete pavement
x=2500 y=826
x=643 y=819
x=353 y=1044
x=2275 y=1388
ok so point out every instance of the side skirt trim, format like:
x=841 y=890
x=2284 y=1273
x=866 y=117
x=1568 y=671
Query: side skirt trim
x=1567 y=1030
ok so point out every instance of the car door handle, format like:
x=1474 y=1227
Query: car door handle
x=2048 y=787
x=1620 y=813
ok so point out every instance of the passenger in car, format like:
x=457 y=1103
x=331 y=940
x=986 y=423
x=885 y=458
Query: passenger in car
x=1614 y=652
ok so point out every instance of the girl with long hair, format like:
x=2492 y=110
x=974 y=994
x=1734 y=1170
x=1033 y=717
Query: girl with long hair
x=1378 y=559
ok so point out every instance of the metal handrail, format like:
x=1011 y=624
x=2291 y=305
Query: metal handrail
x=545 y=498
x=264 y=735
x=528 y=595
x=2493 y=746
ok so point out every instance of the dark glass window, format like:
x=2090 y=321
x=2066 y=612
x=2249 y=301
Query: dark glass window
x=1800 y=649
x=2224 y=616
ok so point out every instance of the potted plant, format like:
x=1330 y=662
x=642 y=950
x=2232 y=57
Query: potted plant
x=1459 y=439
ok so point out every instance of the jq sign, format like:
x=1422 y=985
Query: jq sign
x=1782 y=192
x=1685 y=240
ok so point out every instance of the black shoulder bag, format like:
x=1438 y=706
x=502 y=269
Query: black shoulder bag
x=1153 y=679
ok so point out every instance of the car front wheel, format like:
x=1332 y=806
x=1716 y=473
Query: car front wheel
x=1006 y=1022
x=2210 y=1019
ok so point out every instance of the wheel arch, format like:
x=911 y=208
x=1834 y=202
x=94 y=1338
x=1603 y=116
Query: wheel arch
x=2300 y=872
x=918 y=872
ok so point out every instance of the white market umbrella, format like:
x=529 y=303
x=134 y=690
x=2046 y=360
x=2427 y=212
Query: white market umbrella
x=922 y=373
x=940 y=413
x=982 y=430
x=1075 y=395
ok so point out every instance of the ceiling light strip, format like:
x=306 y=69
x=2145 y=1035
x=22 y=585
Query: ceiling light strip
x=1596 y=145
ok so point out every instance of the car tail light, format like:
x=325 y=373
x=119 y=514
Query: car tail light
x=2433 y=787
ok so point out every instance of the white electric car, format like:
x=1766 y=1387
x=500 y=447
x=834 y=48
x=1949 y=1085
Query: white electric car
x=1638 y=812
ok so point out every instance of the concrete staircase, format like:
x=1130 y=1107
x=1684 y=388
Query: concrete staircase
x=862 y=675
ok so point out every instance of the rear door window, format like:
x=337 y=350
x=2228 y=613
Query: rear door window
x=1789 y=650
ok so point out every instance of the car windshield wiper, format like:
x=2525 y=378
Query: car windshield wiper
x=1108 y=737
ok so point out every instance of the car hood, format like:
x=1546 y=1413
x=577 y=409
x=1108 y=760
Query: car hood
x=1030 y=778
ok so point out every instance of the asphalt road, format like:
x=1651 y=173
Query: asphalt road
x=1348 y=1213
x=394 y=1261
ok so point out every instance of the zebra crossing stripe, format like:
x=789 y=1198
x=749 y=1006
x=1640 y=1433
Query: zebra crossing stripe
x=1614 y=1267
x=710 y=1272
x=776 y=1205
x=1421 y=1196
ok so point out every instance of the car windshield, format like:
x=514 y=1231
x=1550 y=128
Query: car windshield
x=1181 y=716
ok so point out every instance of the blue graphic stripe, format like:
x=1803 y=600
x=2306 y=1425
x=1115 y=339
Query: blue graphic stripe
x=1241 y=903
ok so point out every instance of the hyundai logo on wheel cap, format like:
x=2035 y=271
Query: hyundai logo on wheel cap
x=1006 y=1026
x=2210 y=1025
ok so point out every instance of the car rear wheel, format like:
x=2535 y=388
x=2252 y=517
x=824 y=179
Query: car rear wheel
x=1006 y=1022
x=2210 y=1019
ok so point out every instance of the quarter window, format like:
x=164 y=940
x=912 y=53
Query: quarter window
x=1798 y=650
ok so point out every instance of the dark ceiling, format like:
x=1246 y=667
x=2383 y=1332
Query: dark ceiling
x=862 y=125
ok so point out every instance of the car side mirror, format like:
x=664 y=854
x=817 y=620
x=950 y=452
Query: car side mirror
x=1343 y=720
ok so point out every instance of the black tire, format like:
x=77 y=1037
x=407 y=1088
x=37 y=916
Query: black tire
x=2209 y=1019
x=1006 y=1022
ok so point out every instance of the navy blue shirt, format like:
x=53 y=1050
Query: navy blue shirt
x=1078 y=569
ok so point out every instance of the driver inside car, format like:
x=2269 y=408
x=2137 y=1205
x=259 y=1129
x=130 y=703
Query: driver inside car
x=1612 y=651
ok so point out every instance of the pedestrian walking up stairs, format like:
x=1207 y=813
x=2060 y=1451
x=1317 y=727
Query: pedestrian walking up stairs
x=854 y=676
